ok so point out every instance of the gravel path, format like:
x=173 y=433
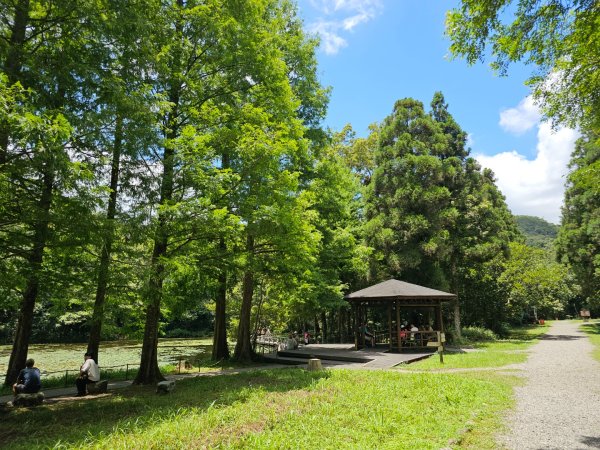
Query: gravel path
x=559 y=406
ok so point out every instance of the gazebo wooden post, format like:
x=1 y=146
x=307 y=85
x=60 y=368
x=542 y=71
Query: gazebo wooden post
x=398 y=325
x=390 y=324
x=364 y=321
x=354 y=327
x=439 y=320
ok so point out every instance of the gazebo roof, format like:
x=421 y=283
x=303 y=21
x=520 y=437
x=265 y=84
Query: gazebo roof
x=398 y=290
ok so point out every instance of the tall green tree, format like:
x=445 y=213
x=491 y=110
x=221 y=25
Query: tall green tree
x=578 y=242
x=408 y=205
x=120 y=127
x=40 y=167
x=216 y=57
x=480 y=236
x=41 y=46
x=481 y=224
x=435 y=218
x=537 y=286
x=341 y=260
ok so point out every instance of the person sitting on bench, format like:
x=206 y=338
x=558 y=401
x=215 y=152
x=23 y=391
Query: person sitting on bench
x=369 y=337
x=28 y=381
x=88 y=373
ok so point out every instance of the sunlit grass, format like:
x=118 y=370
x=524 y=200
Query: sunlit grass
x=289 y=408
x=486 y=354
x=592 y=329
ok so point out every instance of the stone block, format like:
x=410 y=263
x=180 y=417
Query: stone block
x=28 y=399
x=164 y=387
x=99 y=387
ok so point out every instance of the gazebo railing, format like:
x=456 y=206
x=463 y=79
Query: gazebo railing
x=417 y=339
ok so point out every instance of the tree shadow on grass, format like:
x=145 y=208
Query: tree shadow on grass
x=72 y=423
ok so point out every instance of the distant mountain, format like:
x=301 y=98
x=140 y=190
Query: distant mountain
x=537 y=231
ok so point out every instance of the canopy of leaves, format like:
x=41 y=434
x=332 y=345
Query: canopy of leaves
x=561 y=38
x=579 y=236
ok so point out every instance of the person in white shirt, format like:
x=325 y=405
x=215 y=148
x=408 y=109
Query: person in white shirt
x=88 y=373
x=414 y=333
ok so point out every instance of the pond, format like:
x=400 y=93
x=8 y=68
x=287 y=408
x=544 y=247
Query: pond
x=61 y=357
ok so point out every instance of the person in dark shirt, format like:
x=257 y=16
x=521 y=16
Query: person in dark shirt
x=369 y=337
x=28 y=381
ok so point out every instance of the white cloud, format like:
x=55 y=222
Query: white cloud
x=341 y=16
x=331 y=41
x=535 y=187
x=522 y=118
x=470 y=140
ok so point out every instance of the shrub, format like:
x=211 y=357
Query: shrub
x=470 y=335
x=478 y=334
x=181 y=333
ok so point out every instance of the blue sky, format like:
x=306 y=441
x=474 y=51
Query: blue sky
x=374 y=52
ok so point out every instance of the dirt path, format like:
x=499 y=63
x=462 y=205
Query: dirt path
x=559 y=406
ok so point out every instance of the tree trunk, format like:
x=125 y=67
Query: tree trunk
x=98 y=314
x=342 y=325
x=333 y=331
x=457 y=325
x=149 y=373
x=324 y=322
x=220 y=346
x=243 y=346
x=317 y=330
x=13 y=64
x=454 y=287
x=20 y=348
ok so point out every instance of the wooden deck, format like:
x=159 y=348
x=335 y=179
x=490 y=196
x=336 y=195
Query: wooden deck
x=344 y=355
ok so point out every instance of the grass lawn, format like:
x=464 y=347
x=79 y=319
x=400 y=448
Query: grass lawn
x=592 y=329
x=487 y=354
x=277 y=409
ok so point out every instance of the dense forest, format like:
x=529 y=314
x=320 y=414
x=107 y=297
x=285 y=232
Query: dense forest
x=537 y=231
x=164 y=172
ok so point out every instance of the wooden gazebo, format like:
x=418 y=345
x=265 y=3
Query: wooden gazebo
x=398 y=297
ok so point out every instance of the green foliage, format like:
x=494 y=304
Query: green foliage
x=408 y=203
x=478 y=334
x=535 y=283
x=434 y=217
x=560 y=38
x=578 y=242
x=538 y=232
